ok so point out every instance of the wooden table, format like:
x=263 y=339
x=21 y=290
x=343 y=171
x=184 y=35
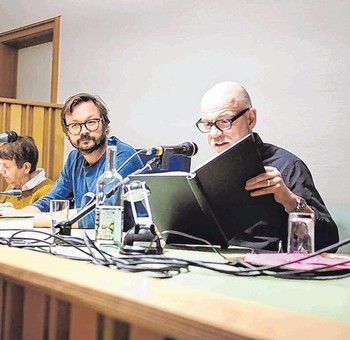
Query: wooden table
x=48 y=297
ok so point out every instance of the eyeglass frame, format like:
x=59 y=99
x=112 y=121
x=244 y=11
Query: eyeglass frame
x=231 y=120
x=98 y=120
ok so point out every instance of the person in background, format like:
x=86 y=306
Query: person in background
x=18 y=166
x=227 y=115
x=85 y=122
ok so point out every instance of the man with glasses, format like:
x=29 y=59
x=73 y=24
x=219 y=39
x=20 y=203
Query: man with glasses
x=85 y=122
x=227 y=115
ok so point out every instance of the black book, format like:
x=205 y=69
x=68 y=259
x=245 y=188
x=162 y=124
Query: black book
x=211 y=202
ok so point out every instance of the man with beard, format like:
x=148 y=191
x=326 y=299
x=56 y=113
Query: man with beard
x=85 y=122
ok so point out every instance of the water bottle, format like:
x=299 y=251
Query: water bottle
x=109 y=210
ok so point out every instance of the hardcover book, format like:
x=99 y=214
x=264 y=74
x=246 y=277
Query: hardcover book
x=211 y=202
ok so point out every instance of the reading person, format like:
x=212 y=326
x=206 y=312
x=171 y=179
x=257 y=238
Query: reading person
x=227 y=115
x=18 y=166
x=85 y=122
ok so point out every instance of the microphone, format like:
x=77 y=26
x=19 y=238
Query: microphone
x=13 y=192
x=65 y=226
x=8 y=137
x=187 y=149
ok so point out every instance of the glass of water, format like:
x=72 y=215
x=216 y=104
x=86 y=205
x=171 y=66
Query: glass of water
x=59 y=210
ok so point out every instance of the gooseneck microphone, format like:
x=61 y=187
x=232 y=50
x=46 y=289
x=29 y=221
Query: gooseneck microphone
x=8 y=137
x=13 y=192
x=187 y=149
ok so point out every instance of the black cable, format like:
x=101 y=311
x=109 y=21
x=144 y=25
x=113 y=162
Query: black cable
x=251 y=270
x=167 y=270
x=63 y=239
x=319 y=277
x=91 y=245
x=179 y=233
x=167 y=267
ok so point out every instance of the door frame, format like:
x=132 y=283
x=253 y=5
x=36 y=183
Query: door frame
x=27 y=36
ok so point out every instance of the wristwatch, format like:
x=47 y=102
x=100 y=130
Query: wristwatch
x=301 y=205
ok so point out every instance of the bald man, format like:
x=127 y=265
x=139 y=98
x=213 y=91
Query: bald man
x=227 y=115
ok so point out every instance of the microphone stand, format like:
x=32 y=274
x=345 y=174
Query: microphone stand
x=66 y=226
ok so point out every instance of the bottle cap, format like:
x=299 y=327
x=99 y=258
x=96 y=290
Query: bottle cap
x=112 y=141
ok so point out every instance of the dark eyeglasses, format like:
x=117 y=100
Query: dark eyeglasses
x=90 y=125
x=221 y=124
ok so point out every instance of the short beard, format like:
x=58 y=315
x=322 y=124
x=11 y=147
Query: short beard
x=98 y=144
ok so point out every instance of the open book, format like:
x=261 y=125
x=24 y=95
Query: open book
x=211 y=202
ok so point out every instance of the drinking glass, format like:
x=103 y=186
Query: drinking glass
x=58 y=212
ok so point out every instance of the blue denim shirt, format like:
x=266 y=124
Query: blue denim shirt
x=78 y=177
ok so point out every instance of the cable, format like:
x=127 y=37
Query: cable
x=251 y=270
x=179 y=233
x=129 y=159
x=63 y=239
x=162 y=266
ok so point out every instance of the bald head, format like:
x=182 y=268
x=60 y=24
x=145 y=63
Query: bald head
x=222 y=103
x=226 y=94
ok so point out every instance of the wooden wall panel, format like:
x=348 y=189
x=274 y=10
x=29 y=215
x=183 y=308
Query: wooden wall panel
x=34 y=314
x=8 y=71
x=15 y=118
x=59 y=137
x=53 y=322
x=40 y=121
x=13 y=311
x=81 y=315
x=38 y=132
x=27 y=120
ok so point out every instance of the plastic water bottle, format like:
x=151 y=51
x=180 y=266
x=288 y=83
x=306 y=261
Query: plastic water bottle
x=109 y=210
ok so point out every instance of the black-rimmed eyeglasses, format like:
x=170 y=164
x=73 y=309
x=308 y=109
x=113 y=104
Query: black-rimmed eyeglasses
x=90 y=125
x=221 y=124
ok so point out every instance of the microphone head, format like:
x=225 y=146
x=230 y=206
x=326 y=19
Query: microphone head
x=11 y=136
x=13 y=192
x=190 y=148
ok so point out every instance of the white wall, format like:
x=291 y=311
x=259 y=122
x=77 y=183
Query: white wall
x=34 y=61
x=152 y=60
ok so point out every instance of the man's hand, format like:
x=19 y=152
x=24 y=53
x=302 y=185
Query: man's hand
x=271 y=182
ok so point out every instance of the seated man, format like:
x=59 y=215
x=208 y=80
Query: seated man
x=18 y=166
x=85 y=122
x=227 y=115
